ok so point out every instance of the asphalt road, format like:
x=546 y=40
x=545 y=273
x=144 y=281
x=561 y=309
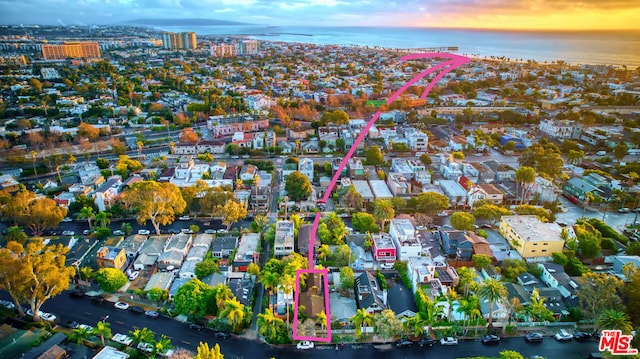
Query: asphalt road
x=85 y=311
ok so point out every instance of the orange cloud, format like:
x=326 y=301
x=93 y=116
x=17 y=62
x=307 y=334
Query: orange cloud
x=581 y=19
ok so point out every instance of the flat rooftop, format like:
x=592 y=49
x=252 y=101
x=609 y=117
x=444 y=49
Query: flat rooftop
x=530 y=228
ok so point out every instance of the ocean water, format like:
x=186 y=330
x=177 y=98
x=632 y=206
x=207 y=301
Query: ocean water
x=585 y=47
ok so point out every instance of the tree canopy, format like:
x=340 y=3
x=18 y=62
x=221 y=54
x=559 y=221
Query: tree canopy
x=462 y=221
x=34 y=273
x=431 y=202
x=158 y=202
x=110 y=279
x=298 y=186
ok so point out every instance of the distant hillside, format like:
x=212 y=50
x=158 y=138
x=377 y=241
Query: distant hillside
x=182 y=22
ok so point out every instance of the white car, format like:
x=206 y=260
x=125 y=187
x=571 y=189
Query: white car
x=210 y=231
x=67 y=219
x=144 y=232
x=305 y=345
x=145 y=347
x=386 y=266
x=134 y=275
x=48 y=317
x=68 y=233
x=449 y=341
x=442 y=214
x=184 y=218
x=122 y=339
x=118 y=232
x=7 y=304
x=563 y=336
x=86 y=327
x=222 y=230
x=121 y=305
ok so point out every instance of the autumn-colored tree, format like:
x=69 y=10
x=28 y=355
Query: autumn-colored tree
x=205 y=352
x=232 y=212
x=88 y=131
x=34 y=273
x=188 y=135
x=40 y=214
x=158 y=202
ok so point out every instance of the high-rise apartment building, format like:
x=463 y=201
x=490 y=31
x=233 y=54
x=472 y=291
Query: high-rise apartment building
x=248 y=47
x=72 y=50
x=179 y=41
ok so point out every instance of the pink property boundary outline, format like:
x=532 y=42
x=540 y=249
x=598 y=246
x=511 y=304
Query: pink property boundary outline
x=453 y=62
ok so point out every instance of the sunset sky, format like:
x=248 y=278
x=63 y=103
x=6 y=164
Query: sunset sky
x=490 y=14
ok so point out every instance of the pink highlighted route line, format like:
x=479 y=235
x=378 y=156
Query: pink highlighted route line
x=453 y=62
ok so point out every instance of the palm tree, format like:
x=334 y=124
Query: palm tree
x=103 y=218
x=223 y=293
x=270 y=280
x=493 y=291
x=265 y=323
x=415 y=324
x=86 y=273
x=287 y=282
x=256 y=183
x=383 y=211
x=467 y=282
x=612 y=319
x=78 y=335
x=87 y=212
x=143 y=335
x=513 y=307
x=140 y=147
x=452 y=296
x=102 y=329
x=360 y=319
x=233 y=312
x=34 y=156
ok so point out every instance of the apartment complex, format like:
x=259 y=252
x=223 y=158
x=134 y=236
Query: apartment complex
x=283 y=244
x=179 y=41
x=531 y=237
x=73 y=50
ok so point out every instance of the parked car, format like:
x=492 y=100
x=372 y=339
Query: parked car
x=490 y=339
x=68 y=233
x=563 y=336
x=304 y=345
x=134 y=275
x=386 y=265
x=136 y=309
x=97 y=298
x=118 y=232
x=624 y=210
x=210 y=231
x=404 y=343
x=145 y=347
x=86 y=327
x=426 y=342
x=221 y=334
x=48 y=317
x=442 y=214
x=449 y=341
x=67 y=219
x=122 y=339
x=196 y=326
x=486 y=225
x=86 y=232
x=121 y=305
x=222 y=230
x=534 y=337
x=184 y=218
x=144 y=232
x=76 y=293
x=71 y=324
x=582 y=336
x=152 y=314
x=7 y=304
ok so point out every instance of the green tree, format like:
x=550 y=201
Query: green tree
x=490 y=212
x=298 y=186
x=597 y=293
x=426 y=159
x=481 y=261
x=612 y=319
x=347 y=277
x=192 y=298
x=332 y=229
x=110 y=279
x=361 y=319
x=16 y=234
x=462 y=221
x=34 y=273
x=383 y=211
x=364 y=222
x=386 y=324
x=102 y=218
x=155 y=201
x=343 y=255
x=144 y=335
x=620 y=151
x=374 y=156
x=78 y=335
x=431 y=202
x=102 y=329
x=324 y=252
x=205 y=267
x=493 y=291
x=87 y=213
x=234 y=312
x=632 y=290
x=525 y=178
x=457 y=155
